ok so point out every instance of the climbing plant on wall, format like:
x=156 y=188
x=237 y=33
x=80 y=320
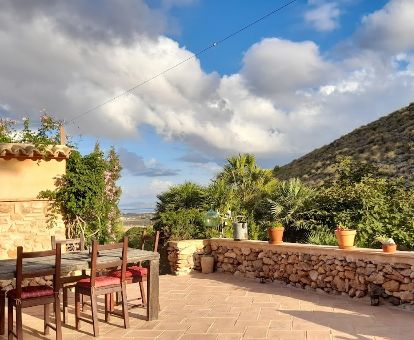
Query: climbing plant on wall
x=87 y=196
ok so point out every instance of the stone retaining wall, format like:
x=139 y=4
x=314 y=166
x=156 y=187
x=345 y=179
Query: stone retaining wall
x=321 y=268
x=184 y=256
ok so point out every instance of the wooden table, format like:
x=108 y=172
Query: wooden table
x=72 y=261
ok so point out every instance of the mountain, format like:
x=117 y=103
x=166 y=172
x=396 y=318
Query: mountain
x=387 y=143
x=130 y=220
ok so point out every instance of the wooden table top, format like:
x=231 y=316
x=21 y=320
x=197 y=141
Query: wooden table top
x=72 y=261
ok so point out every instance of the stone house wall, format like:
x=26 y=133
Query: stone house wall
x=23 y=217
x=24 y=223
x=321 y=268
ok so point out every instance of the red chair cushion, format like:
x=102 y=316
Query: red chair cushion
x=100 y=281
x=138 y=271
x=31 y=292
x=133 y=271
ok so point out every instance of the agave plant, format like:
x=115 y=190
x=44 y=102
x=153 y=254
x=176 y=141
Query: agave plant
x=384 y=239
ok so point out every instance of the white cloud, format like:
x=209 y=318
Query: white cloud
x=136 y=166
x=287 y=98
x=158 y=186
x=141 y=197
x=276 y=66
x=324 y=17
x=390 y=29
x=110 y=20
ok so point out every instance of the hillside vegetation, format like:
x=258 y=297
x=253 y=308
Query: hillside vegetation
x=387 y=143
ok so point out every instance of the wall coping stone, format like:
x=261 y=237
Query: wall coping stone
x=17 y=200
x=374 y=255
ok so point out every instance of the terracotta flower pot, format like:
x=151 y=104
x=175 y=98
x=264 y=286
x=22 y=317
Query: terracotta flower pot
x=389 y=248
x=345 y=238
x=276 y=235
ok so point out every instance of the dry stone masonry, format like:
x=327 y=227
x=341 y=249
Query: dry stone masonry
x=24 y=223
x=321 y=268
x=184 y=256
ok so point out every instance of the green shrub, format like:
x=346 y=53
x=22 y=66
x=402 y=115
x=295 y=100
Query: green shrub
x=180 y=212
x=322 y=236
x=134 y=235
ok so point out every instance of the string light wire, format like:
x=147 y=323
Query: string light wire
x=204 y=50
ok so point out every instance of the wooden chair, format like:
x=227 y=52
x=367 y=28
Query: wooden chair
x=2 y=311
x=22 y=297
x=137 y=273
x=68 y=282
x=94 y=285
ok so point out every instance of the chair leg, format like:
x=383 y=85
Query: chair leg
x=112 y=302
x=83 y=302
x=125 y=312
x=10 y=335
x=117 y=298
x=46 y=318
x=141 y=288
x=65 y=304
x=94 y=306
x=2 y=311
x=58 y=319
x=19 y=323
x=77 y=310
x=108 y=307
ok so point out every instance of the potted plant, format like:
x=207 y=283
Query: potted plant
x=388 y=244
x=345 y=237
x=276 y=233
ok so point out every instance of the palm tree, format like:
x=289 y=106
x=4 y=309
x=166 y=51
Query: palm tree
x=291 y=205
x=247 y=181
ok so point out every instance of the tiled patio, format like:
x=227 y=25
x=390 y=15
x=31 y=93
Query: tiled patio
x=219 y=306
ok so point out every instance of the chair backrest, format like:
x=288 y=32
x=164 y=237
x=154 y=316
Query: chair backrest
x=145 y=239
x=37 y=268
x=75 y=244
x=106 y=250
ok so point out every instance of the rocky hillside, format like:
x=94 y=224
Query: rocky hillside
x=387 y=142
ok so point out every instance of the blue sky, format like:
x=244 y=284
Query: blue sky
x=293 y=82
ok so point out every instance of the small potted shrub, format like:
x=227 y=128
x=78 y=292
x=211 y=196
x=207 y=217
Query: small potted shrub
x=388 y=244
x=345 y=237
x=276 y=233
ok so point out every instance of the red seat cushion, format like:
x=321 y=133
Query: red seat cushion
x=138 y=271
x=132 y=271
x=100 y=281
x=31 y=292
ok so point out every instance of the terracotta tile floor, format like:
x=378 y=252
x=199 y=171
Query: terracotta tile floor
x=222 y=307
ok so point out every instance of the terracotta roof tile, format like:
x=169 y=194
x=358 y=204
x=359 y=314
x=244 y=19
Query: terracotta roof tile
x=14 y=150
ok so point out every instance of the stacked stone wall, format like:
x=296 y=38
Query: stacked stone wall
x=184 y=256
x=355 y=273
